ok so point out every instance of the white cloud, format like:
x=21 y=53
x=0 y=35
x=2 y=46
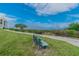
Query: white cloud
x=39 y=25
x=76 y=21
x=52 y=8
x=75 y=15
x=7 y=17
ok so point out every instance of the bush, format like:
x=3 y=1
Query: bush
x=71 y=33
x=59 y=32
x=77 y=34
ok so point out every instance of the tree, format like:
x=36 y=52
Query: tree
x=74 y=26
x=20 y=26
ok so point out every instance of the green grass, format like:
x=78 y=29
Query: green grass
x=15 y=44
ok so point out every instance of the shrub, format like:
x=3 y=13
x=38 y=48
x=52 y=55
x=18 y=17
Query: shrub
x=71 y=33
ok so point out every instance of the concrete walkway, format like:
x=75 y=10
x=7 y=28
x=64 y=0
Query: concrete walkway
x=73 y=41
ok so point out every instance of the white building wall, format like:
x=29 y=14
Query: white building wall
x=2 y=22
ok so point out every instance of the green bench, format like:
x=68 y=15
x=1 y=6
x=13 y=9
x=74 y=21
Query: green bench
x=38 y=40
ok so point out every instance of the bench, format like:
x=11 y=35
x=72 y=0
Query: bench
x=38 y=40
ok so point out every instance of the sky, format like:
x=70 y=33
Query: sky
x=41 y=16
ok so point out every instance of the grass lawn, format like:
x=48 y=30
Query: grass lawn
x=20 y=44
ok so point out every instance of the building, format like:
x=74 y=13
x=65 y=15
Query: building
x=2 y=22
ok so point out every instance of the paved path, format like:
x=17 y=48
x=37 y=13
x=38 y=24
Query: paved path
x=73 y=41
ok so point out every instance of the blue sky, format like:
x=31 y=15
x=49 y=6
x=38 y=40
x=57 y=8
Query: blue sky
x=40 y=16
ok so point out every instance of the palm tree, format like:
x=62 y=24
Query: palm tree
x=20 y=26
